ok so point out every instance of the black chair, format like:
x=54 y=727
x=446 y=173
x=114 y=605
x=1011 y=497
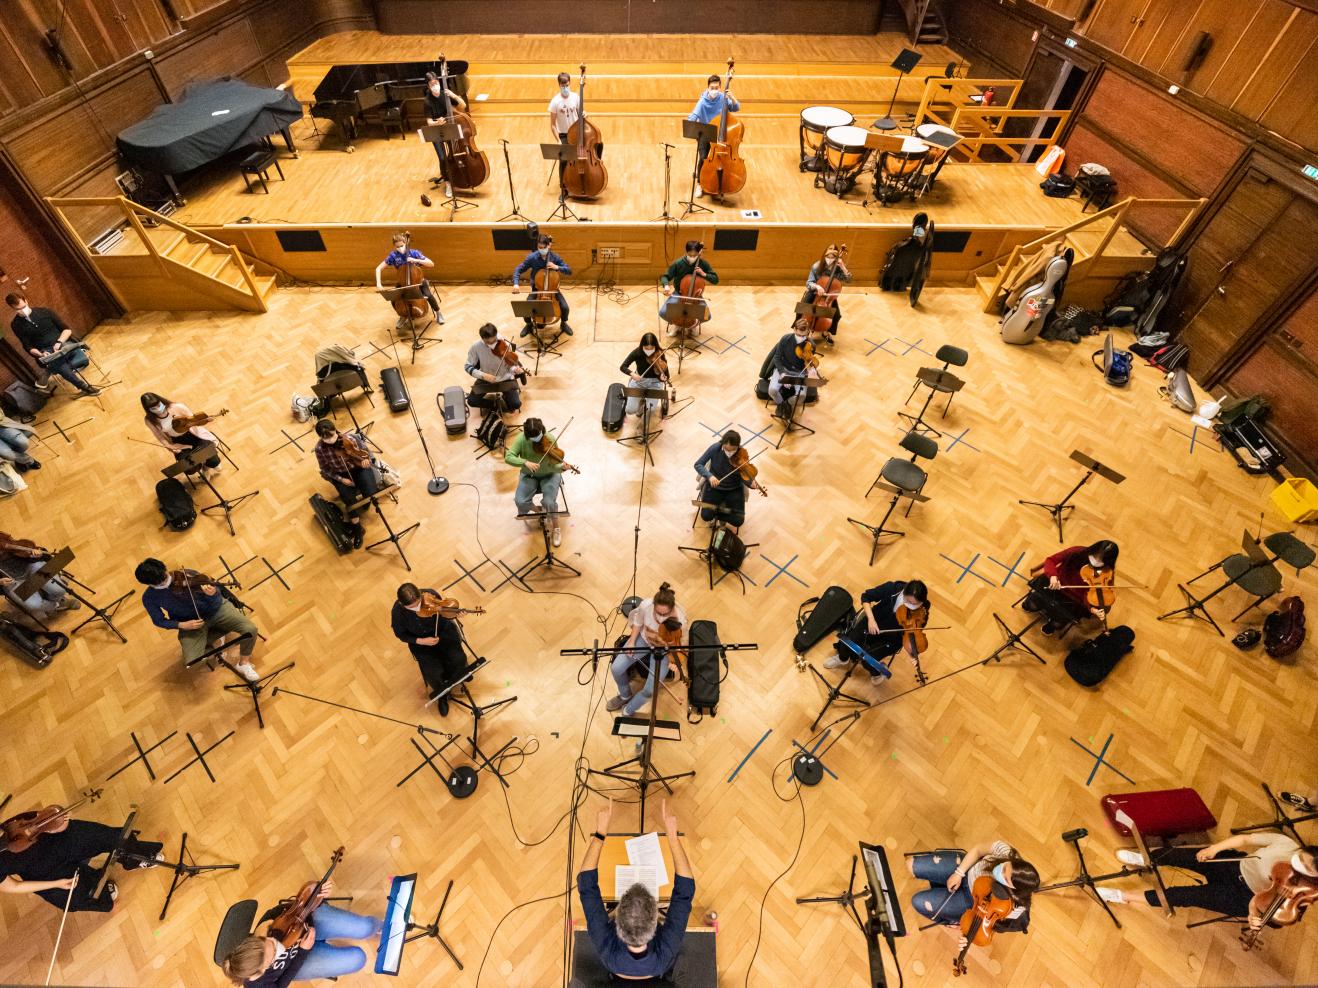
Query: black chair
x=938 y=381
x=905 y=479
x=236 y=927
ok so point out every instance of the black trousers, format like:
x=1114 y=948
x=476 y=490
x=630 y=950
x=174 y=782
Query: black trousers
x=879 y=646
x=480 y=397
x=734 y=500
x=441 y=665
x=365 y=481
x=57 y=855
x=1224 y=890
x=192 y=442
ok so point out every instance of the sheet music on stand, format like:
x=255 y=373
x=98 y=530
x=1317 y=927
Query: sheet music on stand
x=397 y=915
x=644 y=853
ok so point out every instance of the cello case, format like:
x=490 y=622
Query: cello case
x=907 y=265
x=1024 y=321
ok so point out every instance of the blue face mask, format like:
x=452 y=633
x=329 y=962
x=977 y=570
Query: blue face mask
x=1000 y=874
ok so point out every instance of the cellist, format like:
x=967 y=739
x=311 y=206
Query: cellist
x=951 y=875
x=671 y=280
x=543 y=259
x=877 y=629
x=829 y=263
x=405 y=253
x=708 y=109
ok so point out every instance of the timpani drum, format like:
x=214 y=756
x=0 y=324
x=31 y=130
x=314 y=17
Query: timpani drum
x=845 y=155
x=815 y=122
x=937 y=154
x=899 y=172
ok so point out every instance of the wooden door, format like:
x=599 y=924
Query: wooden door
x=1114 y=22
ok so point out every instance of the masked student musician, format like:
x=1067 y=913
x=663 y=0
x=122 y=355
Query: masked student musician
x=787 y=359
x=58 y=861
x=645 y=366
x=195 y=606
x=878 y=626
x=164 y=417
x=722 y=485
x=404 y=253
x=829 y=263
x=539 y=472
x=1068 y=576
x=543 y=259
x=346 y=463
x=708 y=109
x=656 y=623
x=670 y=282
x=952 y=874
x=435 y=642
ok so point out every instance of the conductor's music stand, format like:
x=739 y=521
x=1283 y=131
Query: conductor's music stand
x=547 y=520
x=562 y=153
x=700 y=133
x=647 y=394
x=903 y=63
x=541 y=309
x=880 y=530
x=395 y=537
x=796 y=403
x=437 y=134
x=1092 y=466
x=409 y=293
x=55 y=567
x=192 y=463
x=694 y=311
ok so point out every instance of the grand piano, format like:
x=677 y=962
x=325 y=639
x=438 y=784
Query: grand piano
x=380 y=92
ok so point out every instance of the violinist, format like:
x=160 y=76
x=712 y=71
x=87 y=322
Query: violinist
x=830 y=263
x=952 y=874
x=1069 y=576
x=647 y=367
x=878 y=629
x=487 y=367
x=646 y=644
x=161 y=418
x=671 y=280
x=436 y=114
x=539 y=472
x=346 y=464
x=403 y=253
x=17 y=563
x=543 y=259
x=195 y=606
x=1232 y=873
x=42 y=332
x=46 y=869
x=435 y=642
x=787 y=359
x=722 y=484
x=708 y=109
x=15 y=443
x=263 y=961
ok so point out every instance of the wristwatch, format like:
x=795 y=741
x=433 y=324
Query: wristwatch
x=602 y=838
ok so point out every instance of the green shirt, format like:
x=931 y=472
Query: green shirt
x=680 y=268
x=521 y=449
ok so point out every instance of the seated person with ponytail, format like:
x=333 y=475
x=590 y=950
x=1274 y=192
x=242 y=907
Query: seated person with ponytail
x=876 y=628
x=952 y=874
x=1061 y=578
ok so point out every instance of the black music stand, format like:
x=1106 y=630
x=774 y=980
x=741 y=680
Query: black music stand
x=809 y=310
x=1092 y=466
x=880 y=530
x=1281 y=821
x=883 y=915
x=796 y=403
x=700 y=133
x=126 y=833
x=393 y=537
x=903 y=63
x=549 y=560
x=1090 y=882
x=696 y=309
x=1013 y=640
x=192 y=463
x=707 y=553
x=646 y=393
x=477 y=711
x=254 y=688
x=512 y=194
x=835 y=691
x=409 y=293
x=337 y=385
x=562 y=153
x=184 y=868
x=55 y=567
x=437 y=134
x=543 y=310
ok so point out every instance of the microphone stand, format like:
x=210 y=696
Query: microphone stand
x=668 y=180
x=515 y=213
x=437 y=484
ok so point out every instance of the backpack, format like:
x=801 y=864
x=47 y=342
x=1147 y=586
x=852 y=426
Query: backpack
x=22 y=401
x=492 y=432
x=305 y=409
x=175 y=504
x=703 y=679
x=1058 y=186
x=729 y=550
x=1090 y=662
x=1283 y=629
x=1170 y=357
x=1115 y=365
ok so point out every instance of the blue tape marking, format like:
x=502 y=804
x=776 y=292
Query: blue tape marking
x=749 y=753
x=967 y=568
x=783 y=570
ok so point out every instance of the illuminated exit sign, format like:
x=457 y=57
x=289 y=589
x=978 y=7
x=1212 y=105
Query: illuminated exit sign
x=1310 y=171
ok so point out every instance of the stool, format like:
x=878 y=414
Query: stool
x=938 y=381
x=257 y=165
x=390 y=115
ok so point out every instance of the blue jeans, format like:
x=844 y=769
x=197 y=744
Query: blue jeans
x=935 y=899
x=45 y=600
x=622 y=662
x=67 y=368
x=328 y=961
x=527 y=487
x=13 y=446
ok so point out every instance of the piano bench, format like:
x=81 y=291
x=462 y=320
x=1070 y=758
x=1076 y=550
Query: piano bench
x=257 y=165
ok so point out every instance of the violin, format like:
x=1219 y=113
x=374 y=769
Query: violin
x=586 y=177
x=549 y=450
x=445 y=607
x=187 y=422
x=409 y=275
x=25 y=548
x=22 y=830
x=830 y=287
x=672 y=638
x=1282 y=903
x=190 y=580
x=465 y=165
x=978 y=923
x=724 y=171
x=748 y=470
x=544 y=287
x=291 y=925
x=1101 y=582
x=507 y=352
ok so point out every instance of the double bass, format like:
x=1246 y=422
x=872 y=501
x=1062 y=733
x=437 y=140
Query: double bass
x=586 y=177
x=409 y=275
x=724 y=172
x=465 y=165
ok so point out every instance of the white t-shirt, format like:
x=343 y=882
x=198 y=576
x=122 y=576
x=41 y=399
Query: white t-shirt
x=1257 y=871
x=1000 y=849
x=642 y=616
x=566 y=110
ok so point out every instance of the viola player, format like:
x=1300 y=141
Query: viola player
x=435 y=642
x=645 y=367
x=721 y=484
x=952 y=874
x=646 y=644
x=538 y=473
x=194 y=605
x=877 y=625
x=1063 y=579
x=162 y=416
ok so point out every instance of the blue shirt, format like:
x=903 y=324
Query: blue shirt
x=397 y=258
x=536 y=262
x=168 y=606
x=708 y=110
x=660 y=953
x=714 y=465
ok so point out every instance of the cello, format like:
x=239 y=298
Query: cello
x=586 y=177
x=465 y=165
x=409 y=276
x=544 y=288
x=830 y=287
x=978 y=923
x=724 y=171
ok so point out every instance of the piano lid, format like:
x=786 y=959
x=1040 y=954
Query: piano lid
x=344 y=81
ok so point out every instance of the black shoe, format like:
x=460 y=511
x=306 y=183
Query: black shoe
x=567 y=330
x=526 y=330
x=443 y=706
x=1029 y=606
x=358 y=537
x=90 y=391
x=1299 y=802
x=1048 y=628
x=22 y=467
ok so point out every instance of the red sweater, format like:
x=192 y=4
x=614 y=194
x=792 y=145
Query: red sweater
x=1065 y=565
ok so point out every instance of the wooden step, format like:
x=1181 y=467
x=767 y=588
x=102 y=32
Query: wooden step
x=985 y=284
x=188 y=252
x=211 y=264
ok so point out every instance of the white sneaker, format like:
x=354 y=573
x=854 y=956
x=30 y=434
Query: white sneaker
x=1132 y=858
x=1112 y=895
x=836 y=662
x=439 y=318
x=247 y=671
x=558 y=536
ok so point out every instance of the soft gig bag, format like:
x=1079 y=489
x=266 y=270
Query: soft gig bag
x=703 y=673
x=175 y=504
x=615 y=407
x=1090 y=662
x=821 y=616
x=1283 y=629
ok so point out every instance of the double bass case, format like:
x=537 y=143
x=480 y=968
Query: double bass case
x=615 y=407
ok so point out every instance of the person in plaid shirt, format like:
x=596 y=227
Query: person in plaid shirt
x=345 y=464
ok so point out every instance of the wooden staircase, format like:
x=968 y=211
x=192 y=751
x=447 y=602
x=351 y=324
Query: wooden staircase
x=924 y=23
x=160 y=263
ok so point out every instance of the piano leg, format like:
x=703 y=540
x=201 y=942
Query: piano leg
x=173 y=188
x=288 y=141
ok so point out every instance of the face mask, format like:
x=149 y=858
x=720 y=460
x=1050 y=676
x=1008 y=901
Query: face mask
x=648 y=351
x=911 y=605
x=1000 y=874
x=918 y=231
x=565 y=91
x=26 y=310
x=711 y=94
x=800 y=337
x=158 y=409
x=534 y=439
x=544 y=251
x=693 y=258
x=434 y=88
x=1096 y=563
x=162 y=586
x=1298 y=864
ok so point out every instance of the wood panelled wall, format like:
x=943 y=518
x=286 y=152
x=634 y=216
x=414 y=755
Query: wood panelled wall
x=566 y=17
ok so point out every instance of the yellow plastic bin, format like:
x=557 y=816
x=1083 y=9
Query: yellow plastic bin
x=1297 y=499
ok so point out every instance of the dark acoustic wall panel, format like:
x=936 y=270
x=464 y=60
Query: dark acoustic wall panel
x=301 y=241
x=951 y=242
x=736 y=239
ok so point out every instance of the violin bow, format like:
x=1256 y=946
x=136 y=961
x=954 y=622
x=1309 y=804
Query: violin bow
x=556 y=439
x=715 y=483
x=68 y=901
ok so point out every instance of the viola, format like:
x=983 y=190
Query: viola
x=549 y=450
x=445 y=607
x=200 y=418
x=25 y=548
x=748 y=470
x=190 y=580
x=979 y=922
x=586 y=177
x=1101 y=582
x=1282 y=903
x=290 y=926
x=409 y=275
x=465 y=165
x=830 y=287
x=724 y=171
x=670 y=633
x=507 y=352
x=544 y=287
x=22 y=830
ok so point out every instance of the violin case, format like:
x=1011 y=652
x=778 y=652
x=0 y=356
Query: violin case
x=1090 y=662
x=337 y=528
x=615 y=408
x=821 y=616
x=455 y=411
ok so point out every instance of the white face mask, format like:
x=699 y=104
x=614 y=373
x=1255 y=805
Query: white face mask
x=565 y=90
x=800 y=337
x=26 y=310
x=712 y=92
x=1096 y=563
x=693 y=258
x=544 y=251
x=434 y=89
x=918 y=231
x=910 y=605
x=158 y=410
x=1000 y=874
x=648 y=351
x=1298 y=864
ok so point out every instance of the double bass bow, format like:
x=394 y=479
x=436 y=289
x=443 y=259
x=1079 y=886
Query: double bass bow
x=724 y=172
x=586 y=177
x=291 y=925
x=465 y=165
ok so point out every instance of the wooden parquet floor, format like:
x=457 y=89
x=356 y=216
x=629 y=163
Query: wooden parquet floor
x=976 y=756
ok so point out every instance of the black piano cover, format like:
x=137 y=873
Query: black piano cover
x=211 y=119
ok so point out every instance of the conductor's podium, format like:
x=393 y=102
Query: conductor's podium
x=697 y=964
